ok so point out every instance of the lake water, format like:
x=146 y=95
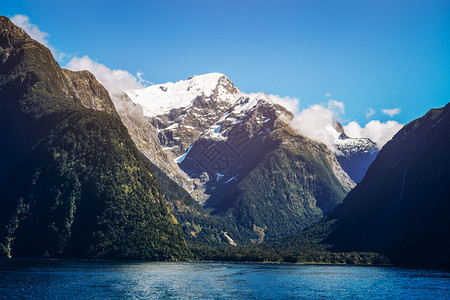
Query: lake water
x=37 y=279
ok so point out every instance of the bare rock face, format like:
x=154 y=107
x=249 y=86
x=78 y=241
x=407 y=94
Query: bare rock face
x=145 y=136
x=83 y=87
x=181 y=127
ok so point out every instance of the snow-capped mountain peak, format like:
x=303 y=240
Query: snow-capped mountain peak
x=159 y=99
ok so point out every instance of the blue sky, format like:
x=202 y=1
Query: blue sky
x=366 y=54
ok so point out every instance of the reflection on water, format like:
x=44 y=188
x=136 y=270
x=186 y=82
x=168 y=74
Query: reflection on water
x=35 y=279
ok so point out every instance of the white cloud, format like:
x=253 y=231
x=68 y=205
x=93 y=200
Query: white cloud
x=336 y=105
x=378 y=132
x=370 y=112
x=327 y=94
x=115 y=81
x=391 y=112
x=291 y=104
x=35 y=33
x=312 y=122
x=140 y=77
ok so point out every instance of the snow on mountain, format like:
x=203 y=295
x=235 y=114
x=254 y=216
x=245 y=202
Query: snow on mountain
x=159 y=99
x=346 y=145
x=354 y=154
x=353 y=145
x=180 y=113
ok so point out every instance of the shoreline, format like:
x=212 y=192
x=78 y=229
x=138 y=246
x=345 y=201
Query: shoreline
x=120 y=261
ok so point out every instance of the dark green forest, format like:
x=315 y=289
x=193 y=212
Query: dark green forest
x=73 y=182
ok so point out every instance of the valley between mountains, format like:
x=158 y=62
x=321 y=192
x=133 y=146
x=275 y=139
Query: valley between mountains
x=197 y=169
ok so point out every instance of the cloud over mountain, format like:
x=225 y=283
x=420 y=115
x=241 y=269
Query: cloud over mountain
x=377 y=131
x=292 y=104
x=115 y=81
x=312 y=123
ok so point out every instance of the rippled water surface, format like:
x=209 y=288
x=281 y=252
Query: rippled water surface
x=36 y=279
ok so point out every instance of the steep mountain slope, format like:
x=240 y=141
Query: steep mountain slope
x=72 y=182
x=402 y=206
x=82 y=87
x=199 y=226
x=145 y=136
x=231 y=147
x=292 y=188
